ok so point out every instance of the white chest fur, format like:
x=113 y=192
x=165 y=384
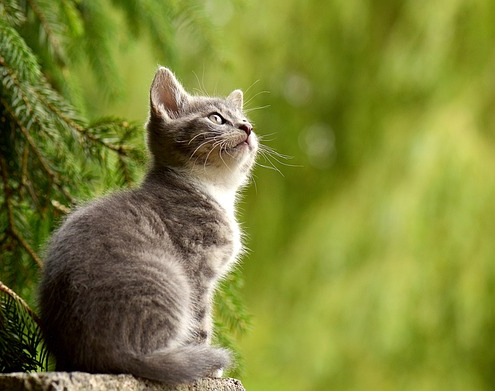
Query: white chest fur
x=226 y=199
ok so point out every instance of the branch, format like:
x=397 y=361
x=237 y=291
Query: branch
x=4 y=288
x=125 y=170
x=10 y=214
x=50 y=33
x=14 y=78
x=121 y=150
x=54 y=176
x=62 y=209
x=65 y=118
x=24 y=168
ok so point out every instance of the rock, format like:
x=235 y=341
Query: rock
x=79 y=381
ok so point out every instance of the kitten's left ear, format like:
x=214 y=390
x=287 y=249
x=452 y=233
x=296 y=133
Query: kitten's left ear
x=236 y=97
x=167 y=95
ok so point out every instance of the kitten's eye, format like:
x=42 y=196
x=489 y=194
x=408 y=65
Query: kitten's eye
x=216 y=118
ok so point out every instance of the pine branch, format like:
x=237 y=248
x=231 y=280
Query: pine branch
x=231 y=318
x=11 y=12
x=157 y=17
x=39 y=95
x=162 y=19
x=106 y=131
x=230 y=307
x=55 y=178
x=12 y=230
x=26 y=94
x=98 y=43
x=22 y=346
x=53 y=31
x=4 y=288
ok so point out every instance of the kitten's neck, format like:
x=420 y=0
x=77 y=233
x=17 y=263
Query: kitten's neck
x=219 y=186
x=223 y=196
x=220 y=189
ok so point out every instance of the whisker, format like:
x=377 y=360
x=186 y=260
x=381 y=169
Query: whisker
x=200 y=134
x=198 y=148
x=271 y=156
x=201 y=89
x=255 y=95
x=274 y=154
x=220 y=154
x=279 y=161
x=270 y=168
x=215 y=144
x=262 y=137
x=202 y=144
x=271 y=165
x=256 y=108
x=253 y=177
x=267 y=137
x=251 y=86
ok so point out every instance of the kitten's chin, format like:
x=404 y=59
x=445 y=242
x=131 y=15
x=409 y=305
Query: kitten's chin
x=249 y=143
x=228 y=165
x=228 y=169
x=241 y=149
x=246 y=147
x=239 y=155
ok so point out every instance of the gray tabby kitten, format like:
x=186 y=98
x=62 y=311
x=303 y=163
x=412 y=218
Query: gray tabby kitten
x=129 y=279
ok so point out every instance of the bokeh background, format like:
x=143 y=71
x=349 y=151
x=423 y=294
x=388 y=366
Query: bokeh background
x=372 y=248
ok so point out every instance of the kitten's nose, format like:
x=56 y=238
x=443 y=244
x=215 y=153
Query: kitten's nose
x=246 y=127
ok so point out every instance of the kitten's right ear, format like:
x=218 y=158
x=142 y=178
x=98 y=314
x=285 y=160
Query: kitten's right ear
x=167 y=95
x=236 y=97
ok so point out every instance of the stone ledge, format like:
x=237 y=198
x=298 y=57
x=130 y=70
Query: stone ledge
x=79 y=381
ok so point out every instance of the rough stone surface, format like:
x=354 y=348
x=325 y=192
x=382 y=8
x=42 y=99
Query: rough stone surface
x=78 y=381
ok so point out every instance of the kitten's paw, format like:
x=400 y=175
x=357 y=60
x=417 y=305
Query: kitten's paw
x=217 y=373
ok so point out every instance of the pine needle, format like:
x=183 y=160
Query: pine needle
x=22 y=347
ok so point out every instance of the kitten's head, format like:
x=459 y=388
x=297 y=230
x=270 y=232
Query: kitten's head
x=210 y=137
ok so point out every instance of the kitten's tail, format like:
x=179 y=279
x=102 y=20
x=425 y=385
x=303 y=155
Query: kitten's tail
x=181 y=365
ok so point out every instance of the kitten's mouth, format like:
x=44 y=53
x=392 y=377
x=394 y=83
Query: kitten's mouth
x=243 y=143
x=240 y=145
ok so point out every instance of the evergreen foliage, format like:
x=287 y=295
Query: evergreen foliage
x=21 y=338
x=47 y=148
x=51 y=154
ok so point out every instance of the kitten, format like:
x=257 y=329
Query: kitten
x=129 y=279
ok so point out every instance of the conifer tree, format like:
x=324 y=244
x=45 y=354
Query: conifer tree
x=50 y=154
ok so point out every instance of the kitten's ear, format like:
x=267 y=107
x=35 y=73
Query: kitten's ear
x=236 y=97
x=167 y=95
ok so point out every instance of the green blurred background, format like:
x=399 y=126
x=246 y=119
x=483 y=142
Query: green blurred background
x=372 y=251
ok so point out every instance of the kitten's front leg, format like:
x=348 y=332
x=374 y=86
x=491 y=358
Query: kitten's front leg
x=203 y=328
x=203 y=333
x=217 y=373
